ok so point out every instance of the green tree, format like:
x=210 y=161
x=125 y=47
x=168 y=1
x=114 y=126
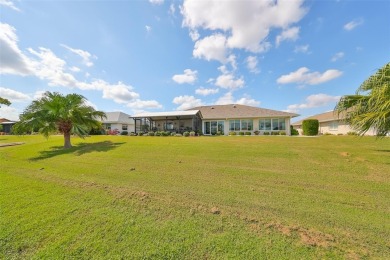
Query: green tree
x=4 y=101
x=370 y=106
x=55 y=112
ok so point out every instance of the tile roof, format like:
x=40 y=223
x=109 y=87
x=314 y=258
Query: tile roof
x=324 y=117
x=239 y=111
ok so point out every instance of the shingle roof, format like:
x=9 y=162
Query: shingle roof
x=239 y=111
x=165 y=114
x=117 y=117
x=324 y=117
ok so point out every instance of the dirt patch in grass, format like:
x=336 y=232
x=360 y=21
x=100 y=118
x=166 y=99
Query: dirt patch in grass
x=344 y=154
x=11 y=144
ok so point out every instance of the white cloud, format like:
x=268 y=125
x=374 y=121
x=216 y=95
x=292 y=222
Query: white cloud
x=13 y=61
x=289 y=34
x=156 y=2
x=9 y=4
x=194 y=34
x=9 y=113
x=189 y=77
x=248 y=101
x=337 y=56
x=317 y=100
x=206 y=91
x=227 y=80
x=38 y=94
x=186 y=102
x=245 y=25
x=89 y=103
x=86 y=56
x=172 y=9
x=251 y=63
x=302 y=48
x=353 y=24
x=211 y=48
x=13 y=95
x=148 y=28
x=75 y=69
x=142 y=104
x=120 y=93
x=303 y=76
x=229 y=99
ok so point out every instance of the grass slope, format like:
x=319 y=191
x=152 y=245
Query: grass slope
x=189 y=198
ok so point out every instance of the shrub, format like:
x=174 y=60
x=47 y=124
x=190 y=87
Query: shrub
x=192 y=133
x=282 y=133
x=241 y=133
x=133 y=134
x=186 y=133
x=293 y=131
x=257 y=132
x=140 y=134
x=158 y=133
x=151 y=133
x=173 y=133
x=124 y=133
x=178 y=135
x=94 y=131
x=327 y=133
x=199 y=132
x=232 y=133
x=352 y=133
x=266 y=133
x=275 y=133
x=340 y=134
x=220 y=133
x=248 y=133
x=310 y=127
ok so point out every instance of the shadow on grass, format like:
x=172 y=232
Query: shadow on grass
x=384 y=151
x=78 y=150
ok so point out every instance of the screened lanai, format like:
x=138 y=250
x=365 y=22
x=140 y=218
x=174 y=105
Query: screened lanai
x=175 y=121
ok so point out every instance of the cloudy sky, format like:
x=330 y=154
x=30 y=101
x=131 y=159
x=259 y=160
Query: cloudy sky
x=162 y=55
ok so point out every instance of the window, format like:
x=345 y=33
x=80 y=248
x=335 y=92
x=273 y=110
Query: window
x=212 y=127
x=107 y=126
x=234 y=125
x=272 y=124
x=247 y=124
x=124 y=127
x=333 y=125
x=168 y=126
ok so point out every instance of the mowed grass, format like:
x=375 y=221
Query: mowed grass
x=195 y=198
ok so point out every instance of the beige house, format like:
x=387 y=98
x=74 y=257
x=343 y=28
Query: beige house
x=220 y=118
x=330 y=123
x=118 y=121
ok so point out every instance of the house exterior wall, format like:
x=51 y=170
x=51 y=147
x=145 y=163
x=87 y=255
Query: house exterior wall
x=118 y=126
x=256 y=122
x=334 y=127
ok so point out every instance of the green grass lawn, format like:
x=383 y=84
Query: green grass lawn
x=195 y=198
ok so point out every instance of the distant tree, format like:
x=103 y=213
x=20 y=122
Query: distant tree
x=55 y=112
x=370 y=106
x=4 y=101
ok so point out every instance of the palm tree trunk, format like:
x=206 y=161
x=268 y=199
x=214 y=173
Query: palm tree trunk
x=67 y=143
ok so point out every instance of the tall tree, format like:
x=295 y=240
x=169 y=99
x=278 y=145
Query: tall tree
x=370 y=107
x=4 y=101
x=55 y=112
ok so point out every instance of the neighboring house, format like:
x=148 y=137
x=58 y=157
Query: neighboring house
x=220 y=118
x=6 y=125
x=330 y=123
x=118 y=121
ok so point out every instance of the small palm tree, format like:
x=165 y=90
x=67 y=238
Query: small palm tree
x=55 y=112
x=370 y=107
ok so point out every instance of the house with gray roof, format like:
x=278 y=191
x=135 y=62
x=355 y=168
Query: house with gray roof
x=118 y=121
x=219 y=118
x=330 y=123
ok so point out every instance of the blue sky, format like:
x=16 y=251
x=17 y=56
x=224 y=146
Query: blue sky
x=134 y=56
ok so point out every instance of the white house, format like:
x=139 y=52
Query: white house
x=118 y=121
x=220 y=118
x=330 y=123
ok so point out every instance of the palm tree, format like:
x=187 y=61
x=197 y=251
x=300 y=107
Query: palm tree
x=55 y=112
x=370 y=107
x=4 y=101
